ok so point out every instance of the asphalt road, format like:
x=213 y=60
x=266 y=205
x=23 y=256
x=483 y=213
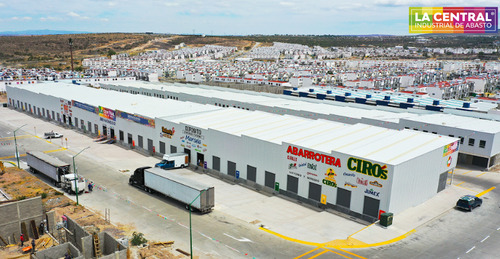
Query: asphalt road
x=215 y=235
x=454 y=234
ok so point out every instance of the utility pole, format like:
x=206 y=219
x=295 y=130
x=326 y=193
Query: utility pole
x=71 y=51
x=15 y=141
x=76 y=174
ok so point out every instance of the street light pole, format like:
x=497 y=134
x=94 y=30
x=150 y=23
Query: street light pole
x=71 y=51
x=15 y=142
x=76 y=174
x=190 y=229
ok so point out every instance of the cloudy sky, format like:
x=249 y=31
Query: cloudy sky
x=219 y=17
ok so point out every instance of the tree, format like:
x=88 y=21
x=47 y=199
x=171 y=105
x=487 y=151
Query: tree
x=111 y=52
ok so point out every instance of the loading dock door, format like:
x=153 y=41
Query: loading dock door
x=162 y=147
x=216 y=163
x=344 y=198
x=442 y=181
x=371 y=207
x=150 y=145
x=139 y=139
x=314 y=192
x=270 y=179
x=121 y=135
x=129 y=137
x=173 y=149
x=251 y=173
x=112 y=133
x=231 y=168
x=104 y=130
x=292 y=184
x=96 y=128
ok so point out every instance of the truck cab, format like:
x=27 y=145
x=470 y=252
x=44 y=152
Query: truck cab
x=175 y=160
x=70 y=183
x=137 y=178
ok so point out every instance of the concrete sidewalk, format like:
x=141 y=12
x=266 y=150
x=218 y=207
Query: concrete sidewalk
x=281 y=217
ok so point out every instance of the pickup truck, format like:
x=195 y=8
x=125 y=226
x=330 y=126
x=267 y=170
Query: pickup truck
x=49 y=135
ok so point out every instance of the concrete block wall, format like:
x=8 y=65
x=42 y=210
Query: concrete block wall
x=59 y=252
x=111 y=248
x=13 y=214
x=77 y=233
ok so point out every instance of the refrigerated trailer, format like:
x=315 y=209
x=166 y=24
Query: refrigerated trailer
x=173 y=185
x=50 y=166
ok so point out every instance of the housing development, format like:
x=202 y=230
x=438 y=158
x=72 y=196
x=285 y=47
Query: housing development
x=358 y=137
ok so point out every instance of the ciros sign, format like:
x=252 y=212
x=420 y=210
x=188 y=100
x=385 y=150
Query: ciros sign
x=367 y=168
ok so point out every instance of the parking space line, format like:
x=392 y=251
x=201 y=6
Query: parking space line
x=480 y=174
x=470 y=249
x=466 y=172
x=485 y=191
x=459 y=184
x=466 y=188
x=306 y=253
x=345 y=251
x=318 y=254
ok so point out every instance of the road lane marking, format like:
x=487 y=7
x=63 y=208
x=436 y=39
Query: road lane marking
x=318 y=254
x=306 y=253
x=480 y=174
x=341 y=243
x=485 y=239
x=17 y=137
x=328 y=250
x=459 y=184
x=470 y=249
x=23 y=155
x=485 y=192
x=467 y=172
x=239 y=239
x=360 y=230
x=498 y=228
x=345 y=251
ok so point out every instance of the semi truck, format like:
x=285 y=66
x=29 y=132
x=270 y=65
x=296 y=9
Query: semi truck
x=174 y=186
x=55 y=169
x=174 y=160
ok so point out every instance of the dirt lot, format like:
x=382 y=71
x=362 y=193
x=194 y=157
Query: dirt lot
x=20 y=184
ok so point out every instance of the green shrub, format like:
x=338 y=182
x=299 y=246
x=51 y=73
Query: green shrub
x=138 y=239
x=44 y=195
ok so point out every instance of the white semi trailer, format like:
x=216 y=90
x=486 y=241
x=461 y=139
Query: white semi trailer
x=175 y=186
x=55 y=169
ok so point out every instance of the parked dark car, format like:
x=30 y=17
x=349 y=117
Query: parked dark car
x=52 y=134
x=469 y=202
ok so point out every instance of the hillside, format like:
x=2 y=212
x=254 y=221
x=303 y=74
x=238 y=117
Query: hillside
x=53 y=50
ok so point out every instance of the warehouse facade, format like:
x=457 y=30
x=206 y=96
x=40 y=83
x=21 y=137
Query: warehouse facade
x=479 y=133
x=360 y=169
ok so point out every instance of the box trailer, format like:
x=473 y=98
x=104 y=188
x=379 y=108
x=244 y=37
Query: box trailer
x=50 y=166
x=174 y=160
x=175 y=186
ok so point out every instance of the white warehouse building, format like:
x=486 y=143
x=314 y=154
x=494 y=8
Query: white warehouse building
x=359 y=169
x=479 y=132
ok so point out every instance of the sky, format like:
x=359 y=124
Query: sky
x=218 y=17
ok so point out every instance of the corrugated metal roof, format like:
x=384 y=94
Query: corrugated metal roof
x=370 y=142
